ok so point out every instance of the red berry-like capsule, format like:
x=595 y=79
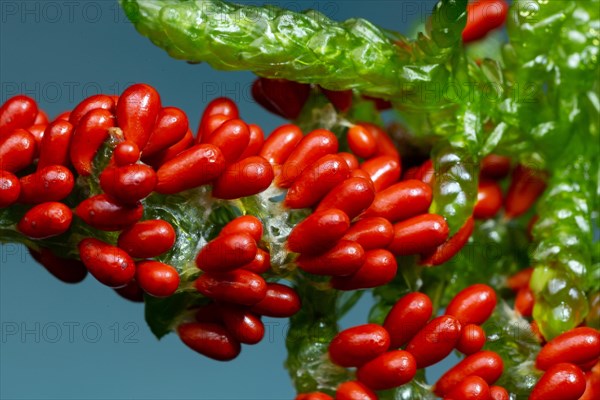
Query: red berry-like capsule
x=484 y=364
x=354 y=390
x=132 y=292
x=245 y=224
x=244 y=325
x=341 y=99
x=17 y=150
x=417 y=235
x=489 y=200
x=211 y=124
x=128 y=184
x=562 y=381
x=350 y=159
x=280 y=96
x=355 y=346
x=280 y=301
x=482 y=17
x=407 y=317
x=401 y=201
x=101 y=212
x=494 y=167
x=471 y=388
x=170 y=127
x=389 y=370
x=473 y=305
x=371 y=233
x=260 y=264
x=38 y=133
x=525 y=188
x=281 y=143
x=520 y=279
x=210 y=340
x=353 y=196
x=232 y=138
x=52 y=183
x=66 y=270
x=344 y=258
x=426 y=173
x=257 y=138
x=156 y=278
x=147 y=239
x=41 y=118
x=385 y=145
x=434 y=341
x=137 y=110
x=592 y=384
x=524 y=302
x=98 y=101
x=162 y=157
x=361 y=141
x=54 y=147
x=313 y=396
x=10 y=189
x=318 y=232
x=577 y=346
x=17 y=112
x=227 y=252
x=88 y=136
x=450 y=247
x=46 y=220
x=383 y=171
x=472 y=338
x=63 y=116
x=110 y=265
x=244 y=178
x=221 y=106
x=379 y=268
x=126 y=153
x=238 y=286
x=498 y=393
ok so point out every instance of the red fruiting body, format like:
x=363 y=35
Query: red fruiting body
x=371 y=233
x=387 y=371
x=520 y=279
x=238 y=286
x=484 y=364
x=52 y=183
x=17 y=150
x=407 y=317
x=562 y=381
x=473 y=305
x=318 y=232
x=471 y=388
x=63 y=116
x=350 y=159
x=41 y=118
x=281 y=97
x=87 y=138
x=38 y=133
x=592 y=384
x=244 y=178
x=170 y=127
x=211 y=124
x=418 y=235
x=137 y=110
x=525 y=188
x=10 y=188
x=98 y=101
x=245 y=326
x=524 y=302
x=489 y=200
x=434 y=341
x=210 y=340
x=494 y=167
x=385 y=145
x=221 y=106
x=344 y=258
x=352 y=196
x=383 y=171
x=245 y=224
x=17 y=112
x=128 y=184
x=162 y=157
x=132 y=292
x=401 y=201
x=101 y=212
x=156 y=278
x=482 y=17
x=450 y=247
x=354 y=390
x=498 y=393
x=54 y=147
x=232 y=138
x=472 y=338
x=577 y=346
x=126 y=153
x=313 y=396
x=280 y=301
x=46 y=220
x=341 y=99
x=379 y=268
x=361 y=141
x=147 y=239
x=281 y=143
x=227 y=252
x=257 y=138
x=66 y=270
x=110 y=265
x=260 y=264
x=356 y=346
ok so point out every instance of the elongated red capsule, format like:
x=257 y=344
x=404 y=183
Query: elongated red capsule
x=371 y=233
x=156 y=278
x=98 y=101
x=401 y=201
x=46 y=220
x=524 y=302
x=353 y=196
x=484 y=364
x=384 y=171
x=344 y=258
x=313 y=396
x=280 y=301
x=232 y=138
x=17 y=150
x=280 y=96
x=385 y=145
x=38 y=133
x=211 y=124
x=52 y=183
x=318 y=232
x=238 y=286
x=67 y=270
x=245 y=224
x=361 y=141
x=355 y=346
x=87 y=138
x=418 y=235
x=63 y=115
x=482 y=17
x=281 y=143
x=473 y=305
x=10 y=189
x=132 y=292
x=471 y=388
x=389 y=370
x=341 y=99
x=577 y=346
x=193 y=167
x=244 y=178
x=260 y=264
x=379 y=268
x=350 y=159
x=17 y=112
x=101 y=212
x=472 y=339
x=494 y=167
x=489 y=200
x=54 y=147
x=227 y=252
x=126 y=153
x=128 y=184
x=426 y=173
x=525 y=188
x=316 y=181
x=354 y=390
x=170 y=127
x=163 y=156
x=520 y=279
x=210 y=340
x=434 y=341
x=257 y=138
x=244 y=325
x=222 y=106
x=499 y=393
x=147 y=239
x=592 y=384
x=41 y=118
x=137 y=110
x=562 y=381
x=445 y=251
x=110 y=265
x=407 y=317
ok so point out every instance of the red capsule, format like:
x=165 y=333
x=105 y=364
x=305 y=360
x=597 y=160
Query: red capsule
x=371 y=233
x=257 y=138
x=38 y=133
x=426 y=173
x=17 y=150
x=354 y=390
x=147 y=239
x=222 y=106
x=407 y=317
x=472 y=338
x=592 y=384
x=562 y=381
x=52 y=183
x=318 y=232
x=170 y=127
x=359 y=173
x=280 y=301
x=450 y=247
x=244 y=325
x=87 y=138
x=10 y=189
x=46 y=220
x=313 y=396
x=524 y=302
x=525 y=188
x=280 y=96
x=66 y=270
x=227 y=252
x=260 y=264
x=54 y=147
x=361 y=141
x=344 y=258
x=401 y=201
x=355 y=346
x=211 y=124
x=244 y=178
x=350 y=159
x=238 y=286
x=482 y=17
x=98 y=101
x=232 y=138
x=162 y=157
x=313 y=146
x=389 y=370
x=520 y=279
x=577 y=346
x=383 y=171
x=132 y=292
x=110 y=265
x=126 y=153
x=385 y=145
x=156 y=278
x=191 y=168
x=101 y=212
x=499 y=393
x=379 y=268
x=41 y=118
x=281 y=143
x=17 y=112
x=316 y=181
x=473 y=305
x=435 y=340
x=471 y=388
x=418 y=235
x=245 y=224
x=353 y=196
x=128 y=184
x=489 y=200
x=137 y=110
x=341 y=99
x=494 y=167
x=63 y=116
x=210 y=340
x=484 y=364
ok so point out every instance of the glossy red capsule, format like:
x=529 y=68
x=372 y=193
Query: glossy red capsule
x=282 y=97
x=162 y=157
x=418 y=235
x=524 y=302
x=280 y=301
x=445 y=251
x=244 y=325
x=313 y=146
x=244 y=178
x=66 y=270
x=260 y=264
x=87 y=138
x=17 y=112
x=471 y=388
x=561 y=381
x=344 y=258
x=17 y=150
x=132 y=292
x=156 y=278
x=238 y=286
x=232 y=138
x=341 y=99
x=353 y=196
x=498 y=393
x=110 y=265
x=354 y=390
x=371 y=233
x=41 y=118
x=245 y=224
x=361 y=141
x=126 y=153
x=102 y=212
x=489 y=200
x=389 y=370
x=63 y=115
x=495 y=167
x=318 y=232
x=526 y=186
x=379 y=268
x=191 y=168
x=401 y=201
x=257 y=138
x=54 y=147
x=426 y=173
x=209 y=125
x=98 y=101
x=147 y=239
x=384 y=171
x=385 y=145
x=227 y=252
x=350 y=159
x=38 y=133
x=577 y=346
x=482 y=17
x=52 y=183
x=281 y=143
x=592 y=384
x=355 y=346
x=137 y=110
x=128 y=184
x=170 y=127
x=484 y=364
x=473 y=305
x=520 y=279
x=221 y=106
x=472 y=338
x=210 y=340
x=313 y=396
x=10 y=189
x=46 y=220
x=434 y=341
x=407 y=317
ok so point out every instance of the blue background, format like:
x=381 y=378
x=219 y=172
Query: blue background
x=83 y=341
